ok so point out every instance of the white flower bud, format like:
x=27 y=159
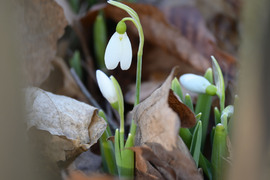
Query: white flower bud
x=118 y=50
x=106 y=86
x=194 y=83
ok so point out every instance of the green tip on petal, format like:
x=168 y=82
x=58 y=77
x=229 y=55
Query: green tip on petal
x=211 y=90
x=121 y=27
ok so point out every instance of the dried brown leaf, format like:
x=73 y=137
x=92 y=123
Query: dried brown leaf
x=43 y=24
x=171 y=165
x=66 y=127
x=189 y=21
x=158 y=123
x=146 y=89
x=182 y=110
x=61 y=82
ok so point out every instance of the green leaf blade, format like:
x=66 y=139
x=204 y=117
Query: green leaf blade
x=195 y=147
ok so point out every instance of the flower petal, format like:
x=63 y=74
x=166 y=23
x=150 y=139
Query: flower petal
x=126 y=56
x=106 y=86
x=194 y=83
x=113 y=51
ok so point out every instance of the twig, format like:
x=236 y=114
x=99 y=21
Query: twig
x=89 y=96
x=84 y=90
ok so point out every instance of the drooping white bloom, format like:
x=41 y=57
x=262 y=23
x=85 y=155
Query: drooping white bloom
x=106 y=86
x=118 y=50
x=194 y=83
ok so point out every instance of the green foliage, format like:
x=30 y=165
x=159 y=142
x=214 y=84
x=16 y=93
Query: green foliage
x=219 y=81
x=195 y=148
x=75 y=5
x=203 y=106
x=188 y=102
x=206 y=166
x=107 y=149
x=100 y=40
x=195 y=138
x=75 y=63
x=176 y=87
x=219 y=152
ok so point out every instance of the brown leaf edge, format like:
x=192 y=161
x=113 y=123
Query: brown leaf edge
x=171 y=165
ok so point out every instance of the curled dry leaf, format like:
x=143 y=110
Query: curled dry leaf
x=43 y=23
x=157 y=116
x=178 y=167
x=158 y=119
x=70 y=126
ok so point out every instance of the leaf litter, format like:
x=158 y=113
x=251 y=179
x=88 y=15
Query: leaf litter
x=158 y=119
x=160 y=152
x=70 y=126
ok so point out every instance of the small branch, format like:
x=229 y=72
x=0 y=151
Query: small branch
x=89 y=96
x=84 y=90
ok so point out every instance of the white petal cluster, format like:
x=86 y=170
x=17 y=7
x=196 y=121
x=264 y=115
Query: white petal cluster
x=194 y=83
x=118 y=50
x=106 y=86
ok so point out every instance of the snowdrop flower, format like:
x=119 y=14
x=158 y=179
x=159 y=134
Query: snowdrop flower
x=197 y=84
x=119 y=49
x=106 y=87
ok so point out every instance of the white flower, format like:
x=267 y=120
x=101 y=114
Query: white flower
x=194 y=83
x=106 y=86
x=118 y=50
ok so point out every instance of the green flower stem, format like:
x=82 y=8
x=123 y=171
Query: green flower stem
x=107 y=149
x=117 y=151
x=127 y=157
x=136 y=21
x=203 y=105
x=217 y=115
x=219 y=152
x=129 y=10
x=120 y=110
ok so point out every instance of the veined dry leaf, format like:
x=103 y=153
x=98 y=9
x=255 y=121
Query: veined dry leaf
x=43 y=23
x=158 y=119
x=146 y=89
x=189 y=21
x=61 y=82
x=68 y=126
x=172 y=165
